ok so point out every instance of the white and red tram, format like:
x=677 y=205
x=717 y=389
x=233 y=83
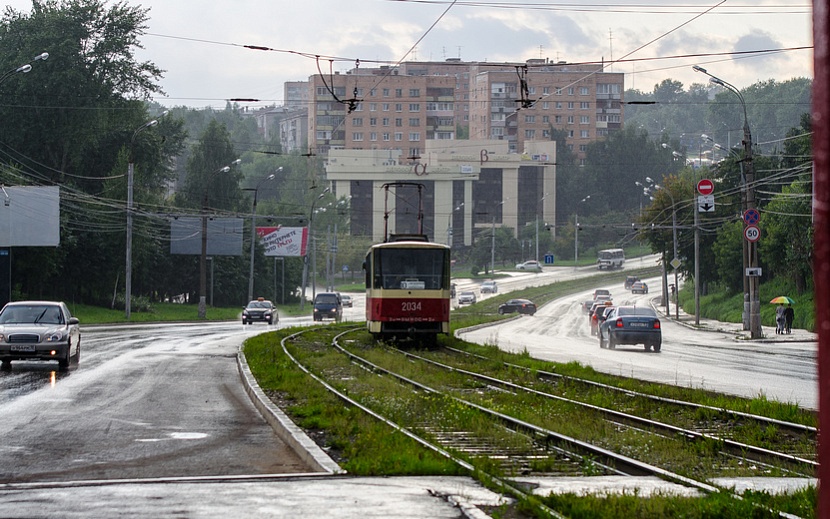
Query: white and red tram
x=408 y=288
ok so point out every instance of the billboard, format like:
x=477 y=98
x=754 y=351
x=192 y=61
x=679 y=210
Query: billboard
x=30 y=216
x=224 y=236
x=283 y=241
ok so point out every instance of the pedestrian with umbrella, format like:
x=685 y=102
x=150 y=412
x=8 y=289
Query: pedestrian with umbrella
x=783 y=316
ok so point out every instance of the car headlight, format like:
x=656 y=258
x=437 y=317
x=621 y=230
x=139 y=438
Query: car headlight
x=55 y=336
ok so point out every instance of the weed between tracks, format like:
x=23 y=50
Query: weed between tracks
x=364 y=446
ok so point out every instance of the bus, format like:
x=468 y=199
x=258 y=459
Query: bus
x=610 y=259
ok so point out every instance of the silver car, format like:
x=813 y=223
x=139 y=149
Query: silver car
x=39 y=330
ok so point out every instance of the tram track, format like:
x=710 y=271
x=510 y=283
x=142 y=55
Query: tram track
x=540 y=446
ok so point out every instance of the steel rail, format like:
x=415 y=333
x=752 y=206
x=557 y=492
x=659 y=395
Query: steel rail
x=759 y=454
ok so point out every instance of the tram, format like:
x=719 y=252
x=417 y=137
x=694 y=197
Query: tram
x=408 y=284
x=408 y=288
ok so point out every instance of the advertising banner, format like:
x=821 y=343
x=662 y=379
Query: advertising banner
x=283 y=241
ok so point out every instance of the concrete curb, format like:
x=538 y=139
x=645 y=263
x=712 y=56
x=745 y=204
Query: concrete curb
x=287 y=430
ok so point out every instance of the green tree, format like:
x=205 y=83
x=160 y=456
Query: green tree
x=73 y=118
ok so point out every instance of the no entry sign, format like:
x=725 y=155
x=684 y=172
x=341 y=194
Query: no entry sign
x=705 y=187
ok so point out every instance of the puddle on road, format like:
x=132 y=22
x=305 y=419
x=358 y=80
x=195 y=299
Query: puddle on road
x=176 y=436
x=27 y=377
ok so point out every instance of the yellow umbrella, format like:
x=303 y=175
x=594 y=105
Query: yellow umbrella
x=783 y=300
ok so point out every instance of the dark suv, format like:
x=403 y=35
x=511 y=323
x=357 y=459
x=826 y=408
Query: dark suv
x=328 y=305
x=630 y=280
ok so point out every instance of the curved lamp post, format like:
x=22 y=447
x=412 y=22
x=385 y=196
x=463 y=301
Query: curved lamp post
x=751 y=249
x=23 y=69
x=310 y=244
x=576 y=232
x=272 y=176
x=203 y=257
x=128 y=278
x=674 y=243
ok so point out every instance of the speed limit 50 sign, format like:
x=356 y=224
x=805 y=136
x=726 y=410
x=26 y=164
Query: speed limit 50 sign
x=752 y=233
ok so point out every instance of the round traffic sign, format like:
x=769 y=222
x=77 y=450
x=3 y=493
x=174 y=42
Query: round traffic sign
x=752 y=233
x=752 y=216
x=705 y=187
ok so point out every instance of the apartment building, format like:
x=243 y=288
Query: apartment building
x=523 y=104
x=399 y=108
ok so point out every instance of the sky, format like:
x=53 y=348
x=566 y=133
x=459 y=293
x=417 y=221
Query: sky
x=201 y=44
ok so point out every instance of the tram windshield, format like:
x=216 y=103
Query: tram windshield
x=410 y=269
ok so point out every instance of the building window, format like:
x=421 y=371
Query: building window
x=385 y=107
x=571 y=136
x=530 y=134
x=373 y=107
x=557 y=119
x=414 y=152
x=414 y=121
x=530 y=118
x=545 y=90
x=373 y=92
x=558 y=91
x=570 y=105
x=386 y=136
x=398 y=136
x=414 y=136
x=398 y=122
x=323 y=135
x=545 y=105
x=386 y=121
x=585 y=105
x=385 y=92
x=373 y=136
x=496 y=132
x=373 y=121
x=357 y=121
x=583 y=148
x=399 y=92
x=546 y=133
x=531 y=90
x=583 y=91
x=570 y=91
x=322 y=91
x=414 y=92
x=559 y=105
x=399 y=107
x=584 y=134
x=570 y=119
x=414 y=107
x=584 y=119
x=357 y=136
x=444 y=136
x=545 y=118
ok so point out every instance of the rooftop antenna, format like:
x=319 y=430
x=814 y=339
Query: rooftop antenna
x=611 y=47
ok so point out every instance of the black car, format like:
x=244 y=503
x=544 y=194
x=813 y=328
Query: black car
x=260 y=310
x=522 y=306
x=631 y=325
x=328 y=305
x=39 y=330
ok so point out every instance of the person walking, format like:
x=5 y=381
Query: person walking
x=780 y=320
x=789 y=315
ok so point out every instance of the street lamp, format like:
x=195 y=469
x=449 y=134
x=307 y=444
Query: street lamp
x=542 y=202
x=272 y=176
x=203 y=257
x=576 y=231
x=310 y=244
x=24 y=69
x=751 y=249
x=674 y=242
x=130 y=175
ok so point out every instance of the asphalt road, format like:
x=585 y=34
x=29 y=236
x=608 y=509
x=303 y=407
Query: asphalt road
x=783 y=370
x=144 y=402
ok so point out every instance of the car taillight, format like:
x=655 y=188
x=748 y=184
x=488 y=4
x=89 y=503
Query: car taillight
x=656 y=324
x=619 y=323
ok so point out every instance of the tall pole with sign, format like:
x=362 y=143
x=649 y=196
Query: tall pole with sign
x=705 y=204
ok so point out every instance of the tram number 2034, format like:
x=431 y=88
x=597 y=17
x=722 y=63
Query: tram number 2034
x=410 y=306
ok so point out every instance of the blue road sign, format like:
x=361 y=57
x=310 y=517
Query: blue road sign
x=751 y=216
